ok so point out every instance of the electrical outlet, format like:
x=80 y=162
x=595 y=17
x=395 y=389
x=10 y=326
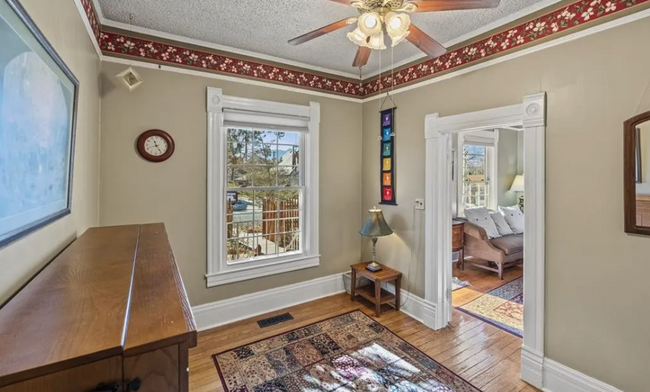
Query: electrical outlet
x=419 y=204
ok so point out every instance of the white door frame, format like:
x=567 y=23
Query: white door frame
x=531 y=115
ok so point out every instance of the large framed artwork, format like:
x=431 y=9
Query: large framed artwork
x=38 y=105
x=387 y=157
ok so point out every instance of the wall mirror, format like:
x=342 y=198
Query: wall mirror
x=637 y=174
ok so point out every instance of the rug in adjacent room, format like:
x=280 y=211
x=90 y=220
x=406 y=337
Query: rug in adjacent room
x=502 y=307
x=346 y=353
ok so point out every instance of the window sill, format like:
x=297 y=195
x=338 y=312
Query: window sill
x=252 y=272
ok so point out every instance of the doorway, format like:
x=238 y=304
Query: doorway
x=529 y=115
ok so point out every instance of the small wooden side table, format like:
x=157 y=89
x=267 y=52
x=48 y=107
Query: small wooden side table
x=458 y=241
x=374 y=293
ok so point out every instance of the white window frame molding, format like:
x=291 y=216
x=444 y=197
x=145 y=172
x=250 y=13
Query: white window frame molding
x=531 y=115
x=492 y=157
x=281 y=116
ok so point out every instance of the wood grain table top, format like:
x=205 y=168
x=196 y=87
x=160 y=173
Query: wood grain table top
x=386 y=273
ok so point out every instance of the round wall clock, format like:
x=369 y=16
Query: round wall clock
x=155 y=145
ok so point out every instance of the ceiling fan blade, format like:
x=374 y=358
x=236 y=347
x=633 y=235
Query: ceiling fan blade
x=322 y=31
x=425 y=43
x=450 y=5
x=361 y=59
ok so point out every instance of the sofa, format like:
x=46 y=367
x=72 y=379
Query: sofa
x=500 y=253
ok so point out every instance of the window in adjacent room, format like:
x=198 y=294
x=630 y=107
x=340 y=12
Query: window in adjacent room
x=477 y=186
x=262 y=188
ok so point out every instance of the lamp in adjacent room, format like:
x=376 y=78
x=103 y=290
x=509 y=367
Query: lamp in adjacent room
x=375 y=227
x=518 y=186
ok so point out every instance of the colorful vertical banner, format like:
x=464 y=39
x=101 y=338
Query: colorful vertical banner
x=387 y=157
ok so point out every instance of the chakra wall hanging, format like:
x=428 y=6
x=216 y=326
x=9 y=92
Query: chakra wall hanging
x=387 y=157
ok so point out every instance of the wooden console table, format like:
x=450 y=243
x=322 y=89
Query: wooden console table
x=109 y=313
x=374 y=293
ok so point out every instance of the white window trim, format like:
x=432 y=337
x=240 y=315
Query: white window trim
x=492 y=156
x=219 y=272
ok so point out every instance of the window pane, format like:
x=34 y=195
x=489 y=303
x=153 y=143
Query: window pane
x=239 y=176
x=264 y=176
x=265 y=154
x=240 y=146
x=475 y=176
x=289 y=176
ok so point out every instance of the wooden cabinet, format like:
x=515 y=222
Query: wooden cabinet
x=108 y=310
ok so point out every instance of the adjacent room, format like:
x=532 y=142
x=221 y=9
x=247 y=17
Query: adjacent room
x=324 y=195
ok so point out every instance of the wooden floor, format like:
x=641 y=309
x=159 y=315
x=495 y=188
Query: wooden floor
x=481 y=281
x=484 y=355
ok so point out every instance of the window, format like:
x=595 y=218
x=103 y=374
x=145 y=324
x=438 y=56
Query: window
x=262 y=188
x=263 y=195
x=476 y=190
x=477 y=185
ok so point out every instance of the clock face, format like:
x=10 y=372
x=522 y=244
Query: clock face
x=155 y=145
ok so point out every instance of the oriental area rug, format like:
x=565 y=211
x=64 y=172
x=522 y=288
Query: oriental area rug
x=346 y=353
x=502 y=307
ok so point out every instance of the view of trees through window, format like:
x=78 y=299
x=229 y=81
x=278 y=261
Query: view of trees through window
x=264 y=192
x=475 y=176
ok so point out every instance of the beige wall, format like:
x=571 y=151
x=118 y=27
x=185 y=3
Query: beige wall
x=508 y=156
x=174 y=192
x=596 y=276
x=62 y=25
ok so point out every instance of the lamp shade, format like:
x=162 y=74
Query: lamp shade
x=358 y=37
x=518 y=183
x=375 y=225
x=376 y=41
x=397 y=26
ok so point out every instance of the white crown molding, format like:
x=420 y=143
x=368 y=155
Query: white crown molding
x=474 y=33
x=536 y=48
x=234 y=79
x=224 y=48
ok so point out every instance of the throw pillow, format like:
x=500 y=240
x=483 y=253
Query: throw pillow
x=480 y=216
x=501 y=224
x=514 y=217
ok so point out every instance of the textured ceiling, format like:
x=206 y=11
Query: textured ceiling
x=265 y=26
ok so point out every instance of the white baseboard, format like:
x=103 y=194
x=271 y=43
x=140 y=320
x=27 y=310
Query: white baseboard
x=551 y=376
x=532 y=367
x=559 y=378
x=214 y=314
x=218 y=313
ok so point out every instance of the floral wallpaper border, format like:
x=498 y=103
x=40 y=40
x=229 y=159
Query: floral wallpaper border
x=552 y=23
x=93 y=19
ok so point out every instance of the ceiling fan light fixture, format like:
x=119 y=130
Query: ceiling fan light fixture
x=370 y=23
x=358 y=37
x=397 y=26
x=376 y=41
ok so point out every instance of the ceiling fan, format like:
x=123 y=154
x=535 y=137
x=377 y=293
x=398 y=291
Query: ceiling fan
x=391 y=17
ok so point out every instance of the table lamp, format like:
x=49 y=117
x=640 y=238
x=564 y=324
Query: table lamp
x=518 y=186
x=374 y=227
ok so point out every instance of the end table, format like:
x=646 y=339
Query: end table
x=374 y=293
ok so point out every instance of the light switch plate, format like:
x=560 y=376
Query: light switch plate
x=419 y=204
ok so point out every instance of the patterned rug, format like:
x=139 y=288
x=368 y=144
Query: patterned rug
x=502 y=307
x=458 y=284
x=346 y=353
